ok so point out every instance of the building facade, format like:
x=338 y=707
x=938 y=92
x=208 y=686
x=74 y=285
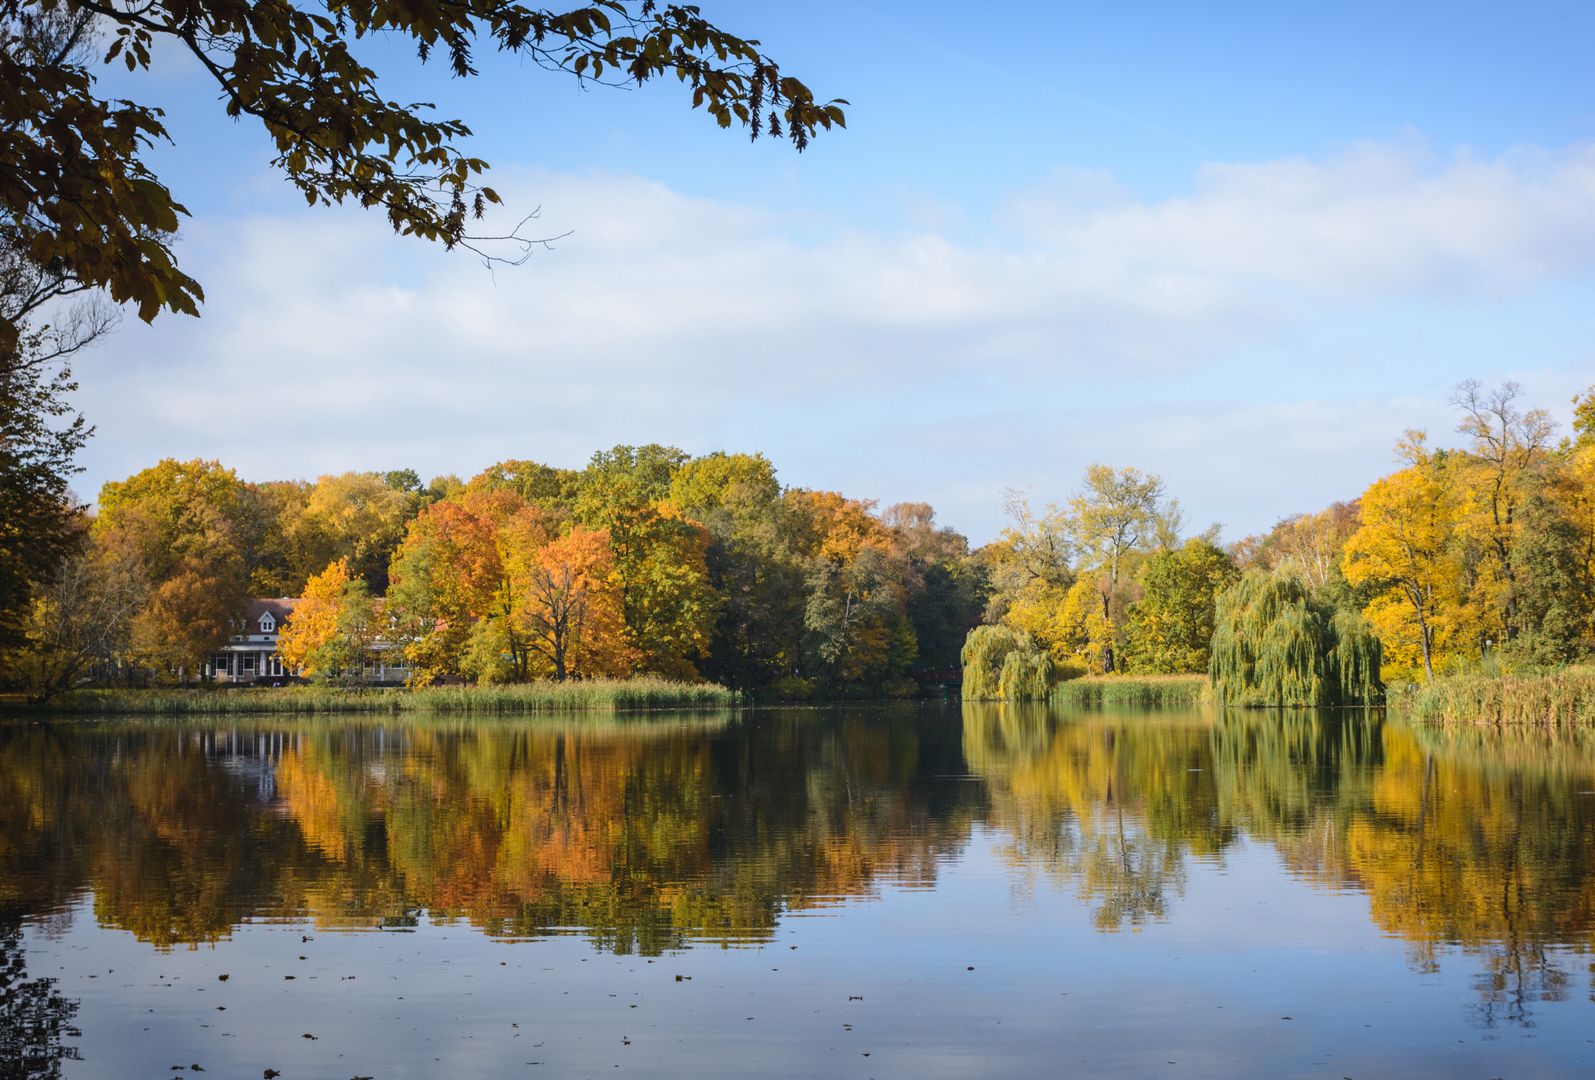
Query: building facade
x=250 y=655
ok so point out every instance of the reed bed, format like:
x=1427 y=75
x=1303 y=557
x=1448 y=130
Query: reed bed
x=1097 y=691
x=1561 y=699
x=596 y=695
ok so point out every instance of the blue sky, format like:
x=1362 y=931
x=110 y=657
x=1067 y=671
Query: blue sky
x=1240 y=248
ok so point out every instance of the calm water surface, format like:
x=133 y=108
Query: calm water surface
x=850 y=892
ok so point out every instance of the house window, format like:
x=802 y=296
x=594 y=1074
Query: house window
x=249 y=664
x=219 y=664
x=275 y=664
x=267 y=623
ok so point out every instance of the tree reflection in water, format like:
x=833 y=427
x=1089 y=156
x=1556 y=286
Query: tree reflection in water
x=645 y=838
x=35 y=1020
x=651 y=837
x=1459 y=841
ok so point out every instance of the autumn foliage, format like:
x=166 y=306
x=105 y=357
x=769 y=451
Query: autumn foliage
x=650 y=561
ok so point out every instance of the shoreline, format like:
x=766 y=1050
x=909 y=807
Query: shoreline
x=593 y=696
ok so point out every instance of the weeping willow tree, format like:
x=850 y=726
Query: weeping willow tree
x=1274 y=643
x=1027 y=675
x=1355 y=659
x=1003 y=664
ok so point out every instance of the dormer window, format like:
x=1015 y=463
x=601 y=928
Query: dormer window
x=268 y=625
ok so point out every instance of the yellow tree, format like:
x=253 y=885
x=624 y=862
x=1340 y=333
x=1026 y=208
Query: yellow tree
x=1031 y=574
x=1405 y=549
x=331 y=630
x=359 y=517
x=185 y=525
x=1084 y=631
x=1584 y=417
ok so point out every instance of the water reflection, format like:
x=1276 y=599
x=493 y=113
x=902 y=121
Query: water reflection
x=1112 y=805
x=1457 y=839
x=35 y=1019
x=652 y=838
x=644 y=838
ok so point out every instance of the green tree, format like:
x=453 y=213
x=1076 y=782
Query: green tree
x=661 y=559
x=851 y=616
x=80 y=615
x=1555 y=592
x=39 y=437
x=856 y=584
x=1275 y=643
x=948 y=588
x=1118 y=515
x=40 y=433
x=545 y=487
x=754 y=563
x=1171 y=627
x=982 y=657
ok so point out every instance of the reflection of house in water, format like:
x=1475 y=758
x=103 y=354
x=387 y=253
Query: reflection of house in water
x=250 y=655
x=249 y=757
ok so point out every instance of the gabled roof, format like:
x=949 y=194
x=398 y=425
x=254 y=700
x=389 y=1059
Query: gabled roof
x=281 y=609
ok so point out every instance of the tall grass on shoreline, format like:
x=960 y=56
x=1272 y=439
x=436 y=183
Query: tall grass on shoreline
x=1562 y=699
x=1095 y=691
x=597 y=695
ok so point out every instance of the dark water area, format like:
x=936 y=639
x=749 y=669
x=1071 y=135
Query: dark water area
x=851 y=892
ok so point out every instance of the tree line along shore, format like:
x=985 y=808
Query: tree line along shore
x=1465 y=573
x=1461 y=586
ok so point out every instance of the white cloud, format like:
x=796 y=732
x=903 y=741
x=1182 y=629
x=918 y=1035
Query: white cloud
x=1163 y=334
x=1379 y=217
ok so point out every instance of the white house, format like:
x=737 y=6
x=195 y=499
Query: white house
x=251 y=655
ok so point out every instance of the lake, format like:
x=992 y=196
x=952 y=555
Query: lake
x=854 y=892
